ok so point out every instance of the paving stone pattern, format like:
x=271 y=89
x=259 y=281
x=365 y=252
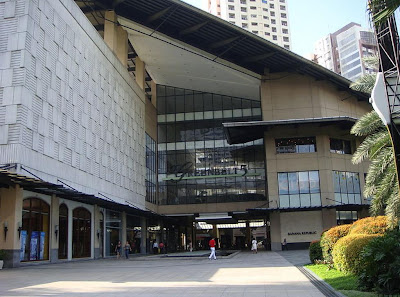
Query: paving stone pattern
x=265 y=274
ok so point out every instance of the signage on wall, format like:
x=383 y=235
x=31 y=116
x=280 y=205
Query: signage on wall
x=23 y=245
x=303 y=233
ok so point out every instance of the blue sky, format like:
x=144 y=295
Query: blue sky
x=311 y=20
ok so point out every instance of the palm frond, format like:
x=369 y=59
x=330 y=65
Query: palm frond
x=384 y=8
x=364 y=84
x=367 y=124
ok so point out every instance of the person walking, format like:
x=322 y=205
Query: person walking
x=284 y=245
x=254 y=246
x=127 y=249
x=155 y=247
x=211 y=243
x=118 y=248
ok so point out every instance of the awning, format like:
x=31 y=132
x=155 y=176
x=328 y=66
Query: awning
x=308 y=208
x=242 y=132
x=10 y=179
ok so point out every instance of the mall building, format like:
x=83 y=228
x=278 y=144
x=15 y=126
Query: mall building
x=153 y=120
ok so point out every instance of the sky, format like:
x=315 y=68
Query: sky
x=311 y=20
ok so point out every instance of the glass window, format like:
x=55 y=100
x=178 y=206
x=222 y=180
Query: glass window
x=346 y=187
x=63 y=232
x=35 y=230
x=295 y=145
x=346 y=217
x=151 y=168
x=81 y=233
x=299 y=189
x=340 y=146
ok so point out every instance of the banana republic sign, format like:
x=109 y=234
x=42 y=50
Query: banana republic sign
x=303 y=233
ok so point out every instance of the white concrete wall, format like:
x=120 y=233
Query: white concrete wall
x=68 y=107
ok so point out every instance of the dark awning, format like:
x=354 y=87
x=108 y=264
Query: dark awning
x=242 y=132
x=309 y=208
x=10 y=179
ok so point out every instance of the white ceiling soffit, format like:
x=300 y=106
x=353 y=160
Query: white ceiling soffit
x=173 y=63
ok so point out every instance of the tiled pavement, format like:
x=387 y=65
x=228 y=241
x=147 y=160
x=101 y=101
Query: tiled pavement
x=264 y=274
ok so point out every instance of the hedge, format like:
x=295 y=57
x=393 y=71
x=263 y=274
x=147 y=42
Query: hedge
x=330 y=237
x=315 y=251
x=370 y=225
x=347 y=251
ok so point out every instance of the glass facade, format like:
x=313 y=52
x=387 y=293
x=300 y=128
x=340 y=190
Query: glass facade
x=113 y=231
x=195 y=162
x=340 y=146
x=299 y=189
x=151 y=171
x=346 y=187
x=295 y=145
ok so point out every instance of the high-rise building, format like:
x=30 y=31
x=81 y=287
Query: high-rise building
x=343 y=50
x=268 y=19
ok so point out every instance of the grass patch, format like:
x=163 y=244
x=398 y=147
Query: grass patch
x=346 y=284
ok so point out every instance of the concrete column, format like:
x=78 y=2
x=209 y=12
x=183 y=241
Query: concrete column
x=116 y=37
x=248 y=234
x=123 y=222
x=10 y=216
x=70 y=225
x=54 y=221
x=276 y=240
x=95 y=232
x=143 y=238
x=328 y=218
x=140 y=73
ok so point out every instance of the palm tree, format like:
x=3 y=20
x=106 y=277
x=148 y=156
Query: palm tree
x=389 y=7
x=381 y=182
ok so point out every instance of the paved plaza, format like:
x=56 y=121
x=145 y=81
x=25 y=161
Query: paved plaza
x=265 y=274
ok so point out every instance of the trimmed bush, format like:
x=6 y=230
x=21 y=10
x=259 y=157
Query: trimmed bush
x=330 y=237
x=347 y=252
x=315 y=251
x=370 y=225
x=380 y=264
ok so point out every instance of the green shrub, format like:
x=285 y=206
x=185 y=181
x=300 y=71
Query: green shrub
x=380 y=264
x=370 y=225
x=2 y=254
x=315 y=251
x=346 y=252
x=330 y=237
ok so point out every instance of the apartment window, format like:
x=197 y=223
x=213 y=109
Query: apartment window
x=218 y=13
x=266 y=25
x=231 y=1
x=255 y=32
x=231 y=7
x=346 y=187
x=295 y=145
x=265 y=17
x=267 y=33
x=346 y=217
x=286 y=46
x=286 y=39
x=232 y=22
x=274 y=37
x=282 y=7
x=272 y=13
x=243 y=9
x=340 y=146
x=232 y=15
x=273 y=29
x=273 y=22
x=244 y=17
x=283 y=15
x=253 y=7
x=282 y=1
x=285 y=31
x=245 y=26
x=242 y=1
x=271 y=6
x=265 y=9
x=299 y=189
x=254 y=24
x=284 y=23
x=253 y=15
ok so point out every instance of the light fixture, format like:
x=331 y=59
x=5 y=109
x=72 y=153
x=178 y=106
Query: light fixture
x=19 y=229
x=5 y=229
x=56 y=230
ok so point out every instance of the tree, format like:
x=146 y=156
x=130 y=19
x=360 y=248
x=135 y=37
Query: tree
x=381 y=181
x=390 y=7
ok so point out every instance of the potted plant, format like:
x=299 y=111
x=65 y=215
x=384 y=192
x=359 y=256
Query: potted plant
x=2 y=257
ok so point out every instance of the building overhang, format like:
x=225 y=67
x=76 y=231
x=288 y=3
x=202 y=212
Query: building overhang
x=11 y=179
x=220 y=40
x=340 y=207
x=242 y=132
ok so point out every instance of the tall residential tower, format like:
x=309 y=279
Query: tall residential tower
x=268 y=19
x=343 y=50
